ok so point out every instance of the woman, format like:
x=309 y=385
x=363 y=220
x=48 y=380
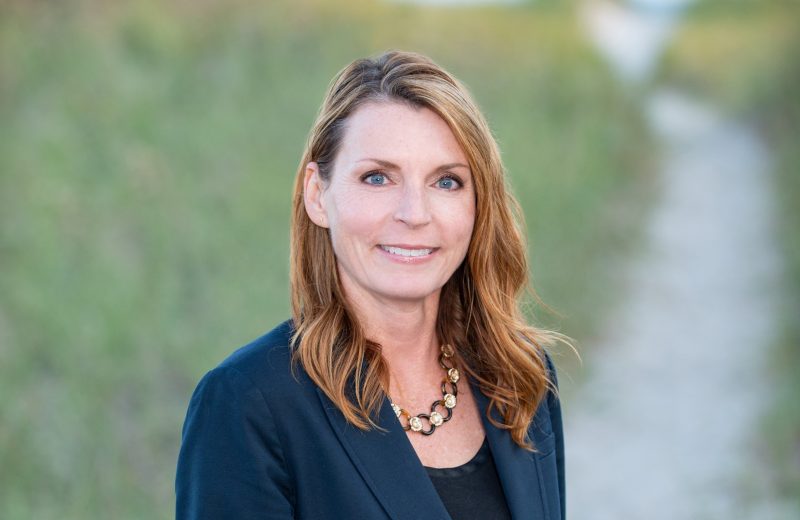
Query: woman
x=406 y=384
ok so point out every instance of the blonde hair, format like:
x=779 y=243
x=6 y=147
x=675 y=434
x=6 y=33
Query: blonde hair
x=479 y=306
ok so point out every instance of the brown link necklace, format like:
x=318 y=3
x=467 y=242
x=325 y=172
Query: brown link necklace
x=448 y=401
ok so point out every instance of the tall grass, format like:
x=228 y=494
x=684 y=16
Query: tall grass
x=746 y=55
x=146 y=159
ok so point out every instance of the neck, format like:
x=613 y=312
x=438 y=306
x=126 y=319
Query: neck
x=406 y=331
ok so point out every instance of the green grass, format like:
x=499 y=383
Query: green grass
x=746 y=55
x=146 y=160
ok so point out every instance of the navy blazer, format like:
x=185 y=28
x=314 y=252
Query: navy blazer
x=260 y=443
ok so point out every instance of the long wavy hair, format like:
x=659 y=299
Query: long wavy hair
x=479 y=306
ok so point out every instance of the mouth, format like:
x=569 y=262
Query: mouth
x=408 y=251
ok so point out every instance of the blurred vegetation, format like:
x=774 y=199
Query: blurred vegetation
x=746 y=55
x=147 y=152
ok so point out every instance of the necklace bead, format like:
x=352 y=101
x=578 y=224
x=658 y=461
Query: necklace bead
x=453 y=375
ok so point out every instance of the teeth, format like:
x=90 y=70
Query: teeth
x=406 y=252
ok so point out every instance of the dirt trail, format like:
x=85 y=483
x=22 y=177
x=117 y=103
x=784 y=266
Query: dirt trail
x=667 y=422
x=671 y=408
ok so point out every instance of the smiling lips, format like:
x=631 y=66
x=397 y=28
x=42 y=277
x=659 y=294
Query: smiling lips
x=408 y=252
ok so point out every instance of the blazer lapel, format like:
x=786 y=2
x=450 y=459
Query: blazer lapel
x=517 y=468
x=389 y=465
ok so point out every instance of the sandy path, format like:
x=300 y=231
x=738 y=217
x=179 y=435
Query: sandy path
x=666 y=425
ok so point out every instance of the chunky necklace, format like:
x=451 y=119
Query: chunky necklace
x=448 y=400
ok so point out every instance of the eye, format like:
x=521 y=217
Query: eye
x=375 y=178
x=449 y=183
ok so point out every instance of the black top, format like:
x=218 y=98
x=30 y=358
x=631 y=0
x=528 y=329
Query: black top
x=472 y=490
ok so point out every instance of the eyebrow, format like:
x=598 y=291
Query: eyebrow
x=392 y=166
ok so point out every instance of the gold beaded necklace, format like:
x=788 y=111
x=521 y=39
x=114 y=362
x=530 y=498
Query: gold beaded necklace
x=448 y=400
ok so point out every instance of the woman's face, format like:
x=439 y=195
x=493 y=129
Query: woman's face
x=399 y=203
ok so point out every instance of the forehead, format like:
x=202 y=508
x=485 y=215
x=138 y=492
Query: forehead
x=399 y=132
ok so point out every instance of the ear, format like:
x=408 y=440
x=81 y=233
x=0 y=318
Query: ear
x=313 y=190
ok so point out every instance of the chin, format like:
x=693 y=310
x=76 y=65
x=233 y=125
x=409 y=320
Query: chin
x=405 y=292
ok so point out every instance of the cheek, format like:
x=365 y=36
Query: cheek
x=353 y=222
x=462 y=222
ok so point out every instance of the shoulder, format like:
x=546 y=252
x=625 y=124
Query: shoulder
x=548 y=413
x=231 y=435
x=253 y=390
x=267 y=357
x=261 y=370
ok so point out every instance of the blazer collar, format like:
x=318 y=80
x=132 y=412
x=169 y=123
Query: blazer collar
x=517 y=468
x=390 y=466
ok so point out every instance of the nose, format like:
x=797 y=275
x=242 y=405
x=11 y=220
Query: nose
x=413 y=206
